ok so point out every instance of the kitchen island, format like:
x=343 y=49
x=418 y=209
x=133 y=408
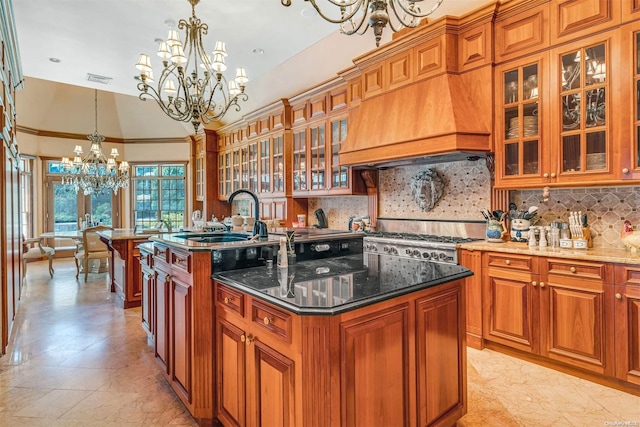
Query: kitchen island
x=358 y=339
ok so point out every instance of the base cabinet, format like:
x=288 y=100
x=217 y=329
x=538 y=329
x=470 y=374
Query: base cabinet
x=279 y=369
x=627 y=323
x=581 y=316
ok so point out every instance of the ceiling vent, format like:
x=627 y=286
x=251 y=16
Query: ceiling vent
x=98 y=79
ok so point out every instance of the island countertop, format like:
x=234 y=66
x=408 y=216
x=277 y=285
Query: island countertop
x=336 y=285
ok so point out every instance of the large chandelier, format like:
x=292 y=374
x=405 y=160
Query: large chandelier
x=192 y=95
x=358 y=15
x=95 y=173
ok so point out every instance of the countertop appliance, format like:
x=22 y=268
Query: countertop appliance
x=427 y=240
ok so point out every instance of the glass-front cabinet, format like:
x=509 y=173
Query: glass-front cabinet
x=317 y=152
x=265 y=165
x=278 y=164
x=300 y=160
x=630 y=167
x=584 y=95
x=339 y=173
x=520 y=154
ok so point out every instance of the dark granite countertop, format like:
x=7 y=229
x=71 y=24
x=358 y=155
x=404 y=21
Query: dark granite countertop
x=335 y=285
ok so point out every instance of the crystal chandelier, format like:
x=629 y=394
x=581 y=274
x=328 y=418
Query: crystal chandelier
x=192 y=95
x=357 y=15
x=95 y=173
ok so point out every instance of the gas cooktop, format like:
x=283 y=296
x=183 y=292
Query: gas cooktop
x=421 y=237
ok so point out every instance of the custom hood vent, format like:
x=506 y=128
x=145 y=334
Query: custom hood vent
x=433 y=120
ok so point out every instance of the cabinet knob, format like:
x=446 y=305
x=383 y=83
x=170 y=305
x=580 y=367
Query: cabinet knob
x=545 y=175
x=247 y=340
x=226 y=300
x=625 y=170
x=618 y=296
x=553 y=174
x=534 y=283
x=167 y=278
x=266 y=320
x=507 y=261
x=542 y=284
x=572 y=269
x=243 y=338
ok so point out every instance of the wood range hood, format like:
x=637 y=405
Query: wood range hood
x=430 y=121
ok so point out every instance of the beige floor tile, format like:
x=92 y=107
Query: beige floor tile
x=72 y=341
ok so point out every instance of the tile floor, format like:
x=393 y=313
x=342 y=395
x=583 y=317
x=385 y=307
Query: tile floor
x=76 y=359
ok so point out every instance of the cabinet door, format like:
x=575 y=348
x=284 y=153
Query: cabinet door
x=317 y=156
x=270 y=386
x=441 y=357
x=228 y=189
x=582 y=115
x=200 y=168
x=253 y=167
x=265 y=165
x=627 y=339
x=573 y=324
x=162 y=311
x=630 y=166
x=278 y=164
x=221 y=177
x=230 y=368
x=181 y=303
x=381 y=399
x=300 y=160
x=473 y=297
x=235 y=170
x=244 y=167
x=520 y=155
x=576 y=313
x=511 y=309
x=148 y=285
x=339 y=173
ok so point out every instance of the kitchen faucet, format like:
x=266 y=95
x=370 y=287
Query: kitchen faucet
x=259 y=227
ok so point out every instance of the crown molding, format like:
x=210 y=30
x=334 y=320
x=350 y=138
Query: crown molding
x=83 y=137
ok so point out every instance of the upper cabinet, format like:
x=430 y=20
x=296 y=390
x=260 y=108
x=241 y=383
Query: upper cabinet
x=560 y=116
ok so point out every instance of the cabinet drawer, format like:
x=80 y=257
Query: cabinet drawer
x=562 y=268
x=271 y=319
x=230 y=299
x=161 y=256
x=511 y=261
x=627 y=275
x=181 y=260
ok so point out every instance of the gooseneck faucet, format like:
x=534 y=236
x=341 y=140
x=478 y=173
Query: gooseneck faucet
x=259 y=227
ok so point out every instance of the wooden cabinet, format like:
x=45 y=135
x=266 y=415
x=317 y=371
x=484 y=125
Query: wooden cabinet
x=184 y=325
x=148 y=288
x=511 y=301
x=627 y=323
x=277 y=368
x=522 y=156
x=581 y=316
x=576 y=314
x=126 y=270
x=255 y=362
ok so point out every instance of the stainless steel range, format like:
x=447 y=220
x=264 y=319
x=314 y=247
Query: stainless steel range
x=428 y=240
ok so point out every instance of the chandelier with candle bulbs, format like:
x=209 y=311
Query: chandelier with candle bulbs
x=358 y=15
x=200 y=94
x=95 y=173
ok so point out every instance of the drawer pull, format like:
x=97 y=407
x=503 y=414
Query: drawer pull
x=625 y=170
x=618 y=296
x=167 y=278
x=266 y=320
x=508 y=261
x=534 y=283
x=542 y=284
x=572 y=269
x=180 y=260
x=227 y=300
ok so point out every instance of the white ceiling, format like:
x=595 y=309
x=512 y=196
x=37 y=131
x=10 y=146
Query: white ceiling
x=105 y=37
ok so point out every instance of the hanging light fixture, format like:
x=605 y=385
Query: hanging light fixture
x=358 y=15
x=192 y=95
x=95 y=173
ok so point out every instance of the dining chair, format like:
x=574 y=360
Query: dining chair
x=92 y=248
x=37 y=252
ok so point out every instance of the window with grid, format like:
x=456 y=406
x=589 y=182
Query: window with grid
x=158 y=193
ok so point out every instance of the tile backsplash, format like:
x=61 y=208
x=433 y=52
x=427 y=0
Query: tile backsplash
x=606 y=207
x=466 y=192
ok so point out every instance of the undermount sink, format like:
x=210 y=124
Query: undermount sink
x=215 y=238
